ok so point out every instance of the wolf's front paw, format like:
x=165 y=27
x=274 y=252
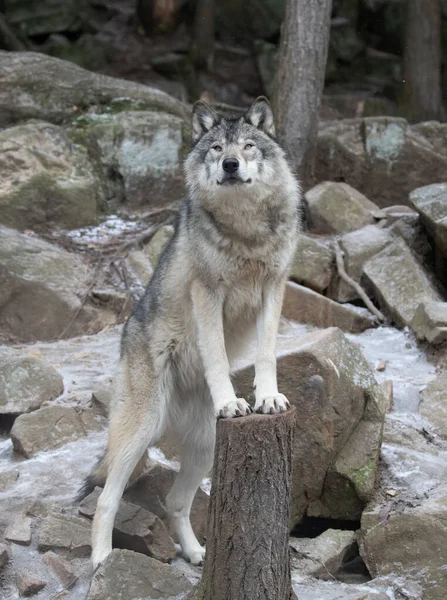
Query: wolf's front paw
x=196 y=556
x=271 y=405
x=234 y=408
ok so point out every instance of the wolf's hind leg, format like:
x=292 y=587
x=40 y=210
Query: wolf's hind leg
x=197 y=439
x=136 y=422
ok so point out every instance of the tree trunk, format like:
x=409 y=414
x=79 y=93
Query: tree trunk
x=202 y=48
x=247 y=550
x=422 y=60
x=300 y=79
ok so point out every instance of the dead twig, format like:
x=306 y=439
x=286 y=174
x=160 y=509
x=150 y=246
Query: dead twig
x=357 y=287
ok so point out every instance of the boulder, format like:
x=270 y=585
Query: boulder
x=322 y=556
x=19 y=530
x=139 y=265
x=41 y=291
x=409 y=541
x=135 y=529
x=329 y=381
x=312 y=264
x=52 y=427
x=431 y=203
x=29 y=585
x=7 y=479
x=26 y=382
x=384 y=157
x=126 y=575
x=150 y=491
x=430 y=322
x=398 y=282
x=46 y=181
x=433 y=404
x=139 y=152
x=337 y=208
x=65 y=533
x=306 y=306
x=27 y=90
x=358 y=247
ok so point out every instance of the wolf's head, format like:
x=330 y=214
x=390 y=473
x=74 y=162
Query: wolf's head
x=234 y=155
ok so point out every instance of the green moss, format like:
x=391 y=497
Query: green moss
x=363 y=478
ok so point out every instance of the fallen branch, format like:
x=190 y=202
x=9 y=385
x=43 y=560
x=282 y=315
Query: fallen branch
x=357 y=287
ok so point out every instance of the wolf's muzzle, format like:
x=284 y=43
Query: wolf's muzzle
x=230 y=165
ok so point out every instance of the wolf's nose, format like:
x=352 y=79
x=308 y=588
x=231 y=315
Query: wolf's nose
x=230 y=165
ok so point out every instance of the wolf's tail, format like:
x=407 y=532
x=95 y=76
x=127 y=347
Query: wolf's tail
x=96 y=478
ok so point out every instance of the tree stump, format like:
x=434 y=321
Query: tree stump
x=247 y=549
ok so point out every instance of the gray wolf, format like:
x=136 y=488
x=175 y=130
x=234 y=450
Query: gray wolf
x=219 y=282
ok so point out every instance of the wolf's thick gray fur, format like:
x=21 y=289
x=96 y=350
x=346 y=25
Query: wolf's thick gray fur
x=220 y=280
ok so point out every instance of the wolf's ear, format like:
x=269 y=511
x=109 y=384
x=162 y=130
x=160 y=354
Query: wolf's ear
x=261 y=116
x=203 y=118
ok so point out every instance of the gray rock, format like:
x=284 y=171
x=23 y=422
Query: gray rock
x=45 y=180
x=4 y=556
x=52 y=427
x=28 y=585
x=337 y=208
x=433 y=404
x=154 y=249
x=61 y=568
x=431 y=203
x=312 y=265
x=27 y=90
x=66 y=534
x=25 y=382
x=127 y=575
x=44 y=17
x=398 y=282
x=41 y=291
x=8 y=479
x=327 y=379
x=139 y=265
x=135 y=529
x=306 y=306
x=384 y=157
x=430 y=322
x=409 y=539
x=19 y=530
x=144 y=149
x=358 y=247
x=322 y=556
x=150 y=491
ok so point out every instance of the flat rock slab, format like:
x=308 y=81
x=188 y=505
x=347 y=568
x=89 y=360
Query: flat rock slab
x=398 y=282
x=8 y=479
x=65 y=533
x=135 y=529
x=321 y=556
x=25 y=382
x=52 y=427
x=4 y=556
x=61 y=568
x=127 y=575
x=306 y=306
x=19 y=530
x=434 y=404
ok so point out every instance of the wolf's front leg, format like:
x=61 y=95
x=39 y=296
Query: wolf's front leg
x=208 y=314
x=268 y=399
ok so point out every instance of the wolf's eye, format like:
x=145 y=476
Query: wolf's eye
x=217 y=148
x=248 y=146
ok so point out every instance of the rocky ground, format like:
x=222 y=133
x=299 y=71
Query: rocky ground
x=90 y=180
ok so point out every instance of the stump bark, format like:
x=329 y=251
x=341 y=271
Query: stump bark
x=247 y=549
